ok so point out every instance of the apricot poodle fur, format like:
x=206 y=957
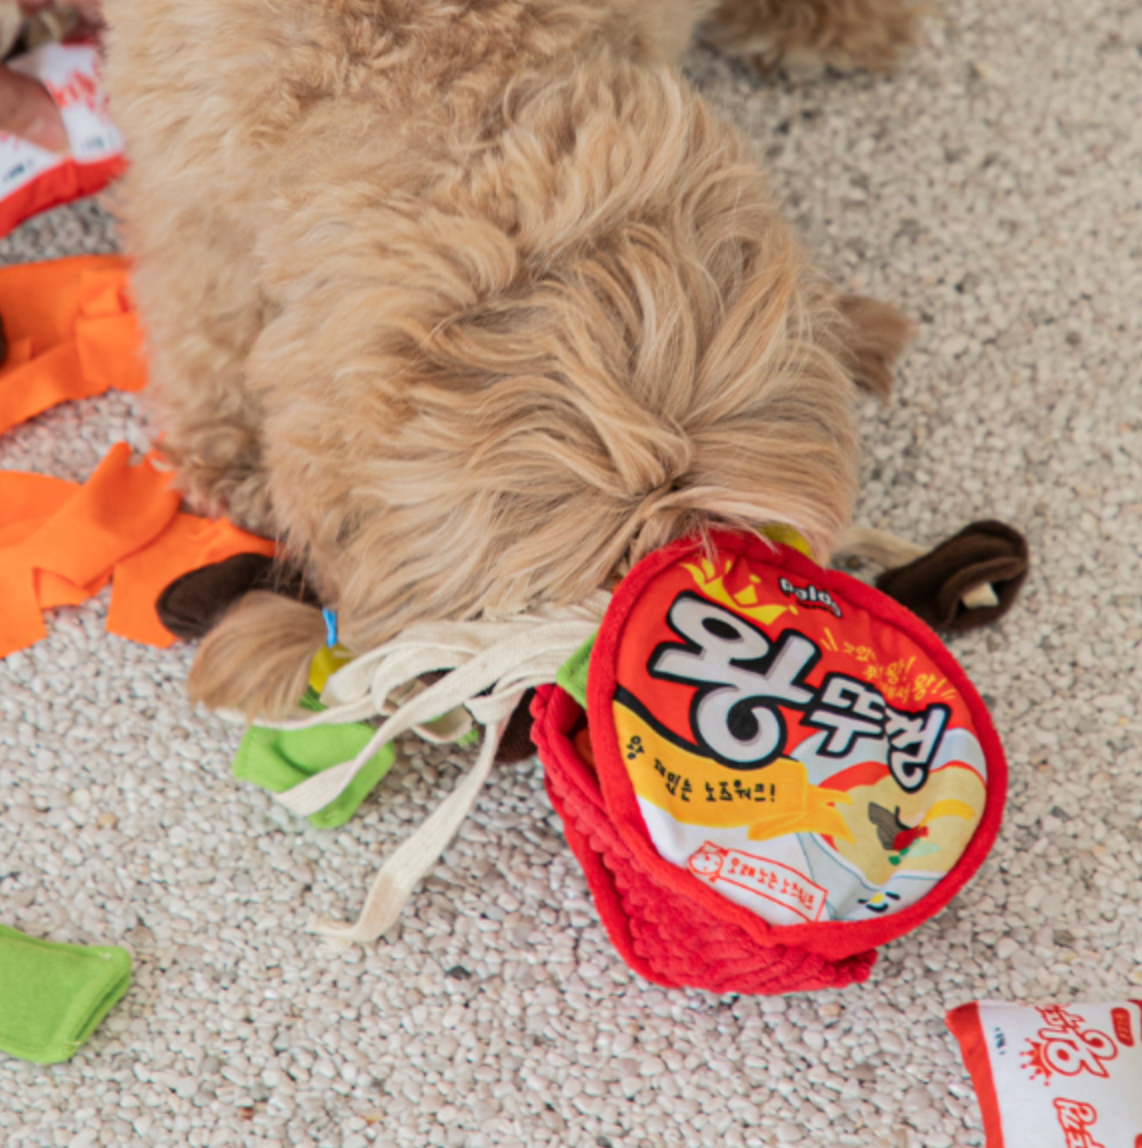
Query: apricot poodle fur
x=471 y=303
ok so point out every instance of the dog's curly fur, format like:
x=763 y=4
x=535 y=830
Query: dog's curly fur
x=470 y=302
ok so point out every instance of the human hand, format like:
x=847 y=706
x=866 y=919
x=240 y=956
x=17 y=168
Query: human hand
x=27 y=111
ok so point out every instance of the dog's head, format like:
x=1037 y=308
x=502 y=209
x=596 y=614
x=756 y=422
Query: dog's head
x=591 y=337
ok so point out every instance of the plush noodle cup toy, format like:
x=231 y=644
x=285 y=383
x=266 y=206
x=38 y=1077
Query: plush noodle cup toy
x=777 y=770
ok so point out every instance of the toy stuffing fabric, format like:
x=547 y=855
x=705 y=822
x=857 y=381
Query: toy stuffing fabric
x=72 y=333
x=62 y=542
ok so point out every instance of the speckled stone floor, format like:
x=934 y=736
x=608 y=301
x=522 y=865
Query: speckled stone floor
x=993 y=187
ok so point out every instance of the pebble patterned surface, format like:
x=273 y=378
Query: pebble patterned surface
x=993 y=187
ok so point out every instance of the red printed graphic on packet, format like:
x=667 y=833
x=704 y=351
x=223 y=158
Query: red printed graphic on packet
x=767 y=879
x=1075 y=1118
x=1123 y=1028
x=1066 y=1047
x=79 y=88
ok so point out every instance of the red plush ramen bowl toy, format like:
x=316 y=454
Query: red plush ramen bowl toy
x=777 y=769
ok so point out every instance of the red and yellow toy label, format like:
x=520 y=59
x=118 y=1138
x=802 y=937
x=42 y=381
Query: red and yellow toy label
x=796 y=752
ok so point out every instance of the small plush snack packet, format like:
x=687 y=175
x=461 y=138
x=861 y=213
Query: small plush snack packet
x=1055 y=1076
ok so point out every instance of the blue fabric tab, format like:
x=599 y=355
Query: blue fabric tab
x=330 y=617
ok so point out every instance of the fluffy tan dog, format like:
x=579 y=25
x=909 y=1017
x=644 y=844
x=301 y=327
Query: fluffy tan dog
x=470 y=302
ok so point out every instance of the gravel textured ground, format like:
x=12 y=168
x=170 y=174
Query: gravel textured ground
x=993 y=187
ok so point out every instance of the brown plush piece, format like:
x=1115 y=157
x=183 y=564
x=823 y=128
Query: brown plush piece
x=516 y=744
x=933 y=586
x=192 y=605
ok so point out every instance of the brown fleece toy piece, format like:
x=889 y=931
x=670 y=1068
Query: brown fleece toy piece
x=193 y=604
x=516 y=744
x=934 y=585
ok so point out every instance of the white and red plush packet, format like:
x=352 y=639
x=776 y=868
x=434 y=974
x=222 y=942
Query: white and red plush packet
x=1055 y=1076
x=33 y=179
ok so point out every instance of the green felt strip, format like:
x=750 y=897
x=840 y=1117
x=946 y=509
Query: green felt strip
x=278 y=760
x=572 y=675
x=53 y=996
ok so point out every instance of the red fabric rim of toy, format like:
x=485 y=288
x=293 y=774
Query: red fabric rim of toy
x=833 y=939
x=555 y=712
x=965 y=1026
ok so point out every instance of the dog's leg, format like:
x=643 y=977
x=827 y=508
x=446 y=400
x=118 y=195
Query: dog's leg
x=172 y=73
x=203 y=314
x=802 y=36
x=656 y=31
x=212 y=437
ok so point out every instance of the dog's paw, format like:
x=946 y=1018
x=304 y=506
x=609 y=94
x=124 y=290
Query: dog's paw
x=800 y=39
x=769 y=57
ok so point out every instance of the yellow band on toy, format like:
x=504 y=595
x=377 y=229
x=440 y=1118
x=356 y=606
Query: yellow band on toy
x=788 y=536
x=326 y=662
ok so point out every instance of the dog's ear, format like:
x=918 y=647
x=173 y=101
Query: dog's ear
x=871 y=338
x=256 y=660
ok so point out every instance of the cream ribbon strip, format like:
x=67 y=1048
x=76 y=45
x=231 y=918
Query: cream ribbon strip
x=490 y=666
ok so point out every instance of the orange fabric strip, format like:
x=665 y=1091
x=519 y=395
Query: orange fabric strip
x=60 y=543
x=27 y=500
x=55 y=590
x=117 y=511
x=63 y=540
x=72 y=333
